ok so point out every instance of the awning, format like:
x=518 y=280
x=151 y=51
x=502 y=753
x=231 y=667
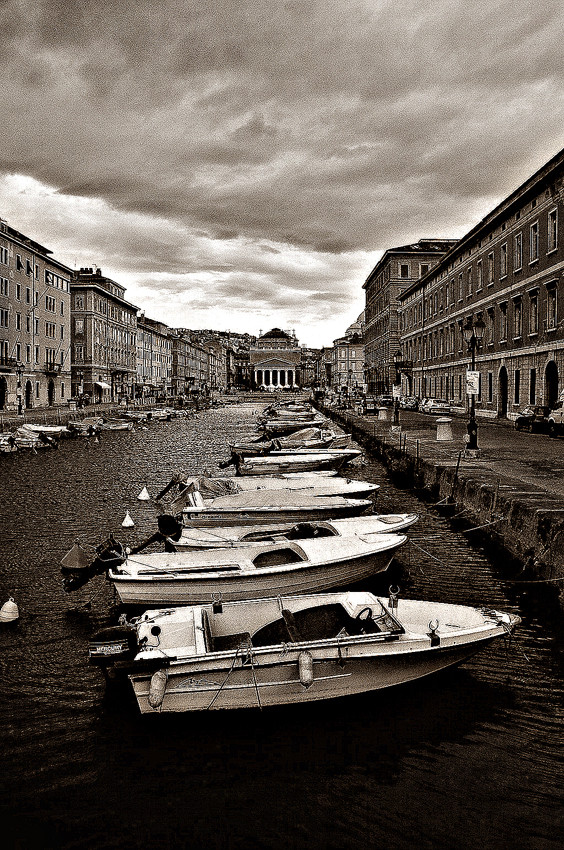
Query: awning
x=101 y=385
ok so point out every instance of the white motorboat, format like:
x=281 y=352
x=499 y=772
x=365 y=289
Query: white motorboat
x=319 y=484
x=306 y=438
x=282 y=651
x=260 y=507
x=277 y=427
x=301 y=460
x=117 y=425
x=251 y=571
x=364 y=526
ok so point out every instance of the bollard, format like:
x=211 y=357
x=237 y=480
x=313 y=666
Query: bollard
x=382 y=414
x=444 y=431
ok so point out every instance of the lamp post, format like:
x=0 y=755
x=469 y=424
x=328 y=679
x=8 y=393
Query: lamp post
x=473 y=333
x=19 y=370
x=398 y=359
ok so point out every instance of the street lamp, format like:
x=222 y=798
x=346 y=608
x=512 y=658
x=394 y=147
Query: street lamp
x=473 y=333
x=398 y=359
x=19 y=371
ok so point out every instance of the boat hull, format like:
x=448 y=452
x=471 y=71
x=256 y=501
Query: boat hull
x=271 y=679
x=255 y=584
x=275 y=513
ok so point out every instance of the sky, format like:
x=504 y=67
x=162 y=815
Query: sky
x=242 y=165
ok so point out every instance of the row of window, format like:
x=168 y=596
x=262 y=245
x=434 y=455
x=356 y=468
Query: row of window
x=52 y=355
x=510 y=323
x=50 y=327
x=472 y=279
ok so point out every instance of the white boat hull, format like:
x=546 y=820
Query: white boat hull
x=292 y=580
x=272 y=681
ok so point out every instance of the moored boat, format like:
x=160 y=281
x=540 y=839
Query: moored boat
x=259 y=507
x=290 y=650
x=251 y=571
x=364 y=526
x=300 y=460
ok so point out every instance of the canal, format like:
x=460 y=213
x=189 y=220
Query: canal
x=471 y=758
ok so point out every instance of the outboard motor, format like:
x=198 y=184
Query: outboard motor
x=169 y=526
x=114 y=643
x=77 y=571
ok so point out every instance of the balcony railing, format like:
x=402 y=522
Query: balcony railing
x=7 y=364
x=52 y=368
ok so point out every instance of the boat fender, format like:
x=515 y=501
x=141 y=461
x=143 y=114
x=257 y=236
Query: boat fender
x=305 y=667
x=435 y=638
x=157 y=688
x=9 y=612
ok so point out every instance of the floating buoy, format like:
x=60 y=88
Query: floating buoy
x=128 y=522
x=144 y=495
x=9 y=611
x=157 y=688
x=305 y=667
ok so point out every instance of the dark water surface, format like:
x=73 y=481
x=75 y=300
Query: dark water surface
x=468 y=759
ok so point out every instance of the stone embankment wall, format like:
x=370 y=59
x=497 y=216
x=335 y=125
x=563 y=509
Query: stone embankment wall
x=522 y=520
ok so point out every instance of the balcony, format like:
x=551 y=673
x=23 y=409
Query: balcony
x=52 y=368
x=8 y=364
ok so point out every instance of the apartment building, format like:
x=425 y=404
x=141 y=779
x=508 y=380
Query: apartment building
x=396 y=270
x=104 y=338
x=502 y=287
x=154 y=358
x=35 y=323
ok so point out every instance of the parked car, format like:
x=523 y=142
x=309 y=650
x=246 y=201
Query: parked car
x=409 y=403
x=434 y=406
x=385 y=401
x=533 y=418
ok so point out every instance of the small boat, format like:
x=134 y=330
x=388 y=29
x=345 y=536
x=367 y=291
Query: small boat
x=249 y=571
x=117 y=425
x=316 y=483
x=281 y=427
x=34 y=440
x=159 y=414
x=306 y=438
x=53 y=431
x=257 y=507
x=364 y=526
x=288 y=650
x=301 y=460
x=87 y=427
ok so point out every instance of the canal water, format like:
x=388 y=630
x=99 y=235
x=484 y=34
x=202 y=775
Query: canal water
x=468 y=759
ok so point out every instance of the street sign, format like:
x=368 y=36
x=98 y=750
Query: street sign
x=396 y=391
x=472 y=382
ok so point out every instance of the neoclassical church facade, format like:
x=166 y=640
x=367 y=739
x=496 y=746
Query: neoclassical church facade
x=275 y=360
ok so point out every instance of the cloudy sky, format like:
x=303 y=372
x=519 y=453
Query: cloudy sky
x=242 y=165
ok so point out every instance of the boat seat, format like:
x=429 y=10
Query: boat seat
x=222 y=643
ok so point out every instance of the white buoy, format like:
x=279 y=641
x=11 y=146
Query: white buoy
x=128 y=522
x=9 y=611
x=144 y=495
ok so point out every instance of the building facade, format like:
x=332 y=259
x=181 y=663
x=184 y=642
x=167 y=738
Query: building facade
x=35 y=324
x=154 y=358
x=104 y=338
x=397 y=269
x=275 y=360
x=348 y=367
x=505 y=278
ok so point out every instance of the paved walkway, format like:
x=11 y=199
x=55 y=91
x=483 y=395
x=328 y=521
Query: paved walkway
x=533 y=460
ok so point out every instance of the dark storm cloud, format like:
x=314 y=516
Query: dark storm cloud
x=330 y=128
